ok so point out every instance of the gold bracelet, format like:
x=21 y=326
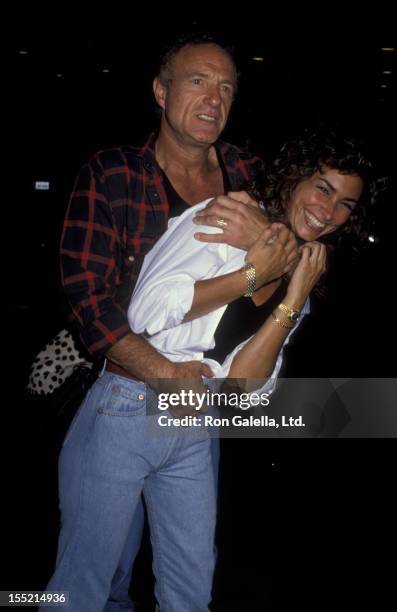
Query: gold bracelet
x=281 y=323
x=250 y=275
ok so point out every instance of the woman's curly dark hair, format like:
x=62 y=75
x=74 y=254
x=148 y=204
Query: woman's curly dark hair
x=299 y=159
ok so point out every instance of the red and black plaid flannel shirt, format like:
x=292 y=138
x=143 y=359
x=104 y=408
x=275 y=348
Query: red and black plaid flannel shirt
x=116 y=213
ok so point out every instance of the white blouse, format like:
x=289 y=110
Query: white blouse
x=164 y=294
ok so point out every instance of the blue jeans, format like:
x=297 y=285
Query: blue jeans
x=119 y=598
x=108 y=459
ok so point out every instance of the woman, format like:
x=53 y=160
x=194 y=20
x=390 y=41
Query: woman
x=319 y=186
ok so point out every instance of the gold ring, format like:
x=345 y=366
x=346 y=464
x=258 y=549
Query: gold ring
x=222 y=223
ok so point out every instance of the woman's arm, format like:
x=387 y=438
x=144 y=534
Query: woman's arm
x=182 y=279
x=271 y=261
x=258 y=356
x=164 y=291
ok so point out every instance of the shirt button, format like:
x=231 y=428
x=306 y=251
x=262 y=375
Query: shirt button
x=131 y=258
x=141 y=396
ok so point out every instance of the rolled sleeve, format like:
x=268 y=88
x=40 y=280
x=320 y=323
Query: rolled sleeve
x=169 y=304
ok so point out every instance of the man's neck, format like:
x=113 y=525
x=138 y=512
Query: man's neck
x=182 y=159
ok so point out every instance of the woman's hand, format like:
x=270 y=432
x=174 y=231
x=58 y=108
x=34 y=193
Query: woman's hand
x=306 y=274
x=273 y=253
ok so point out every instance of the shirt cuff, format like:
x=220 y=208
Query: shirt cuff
x=222 y=370
x=180 y=302
x=99 y=335
x=169 y=304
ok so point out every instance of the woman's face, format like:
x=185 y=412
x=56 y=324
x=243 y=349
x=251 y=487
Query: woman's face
x=323 y=202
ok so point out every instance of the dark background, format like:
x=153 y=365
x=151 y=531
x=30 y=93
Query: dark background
x=301 y=521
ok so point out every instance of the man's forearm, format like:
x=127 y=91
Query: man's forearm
x=135 y=355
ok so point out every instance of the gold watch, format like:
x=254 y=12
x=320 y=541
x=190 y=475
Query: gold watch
x=292 y=313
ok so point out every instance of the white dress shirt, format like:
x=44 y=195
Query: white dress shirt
x=164 y=294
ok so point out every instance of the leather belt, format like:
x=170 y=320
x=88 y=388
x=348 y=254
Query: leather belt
x=116 y=369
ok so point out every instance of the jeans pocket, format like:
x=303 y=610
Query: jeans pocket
x=122 y=401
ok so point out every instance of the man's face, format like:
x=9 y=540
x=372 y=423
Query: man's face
x=323 y=202
x=197 y=101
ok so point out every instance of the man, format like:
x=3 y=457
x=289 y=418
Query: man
x=119 y=208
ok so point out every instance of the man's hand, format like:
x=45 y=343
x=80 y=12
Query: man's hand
x=192 y=369
x=273 y=254
x=238 y=215
x=186 y=377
